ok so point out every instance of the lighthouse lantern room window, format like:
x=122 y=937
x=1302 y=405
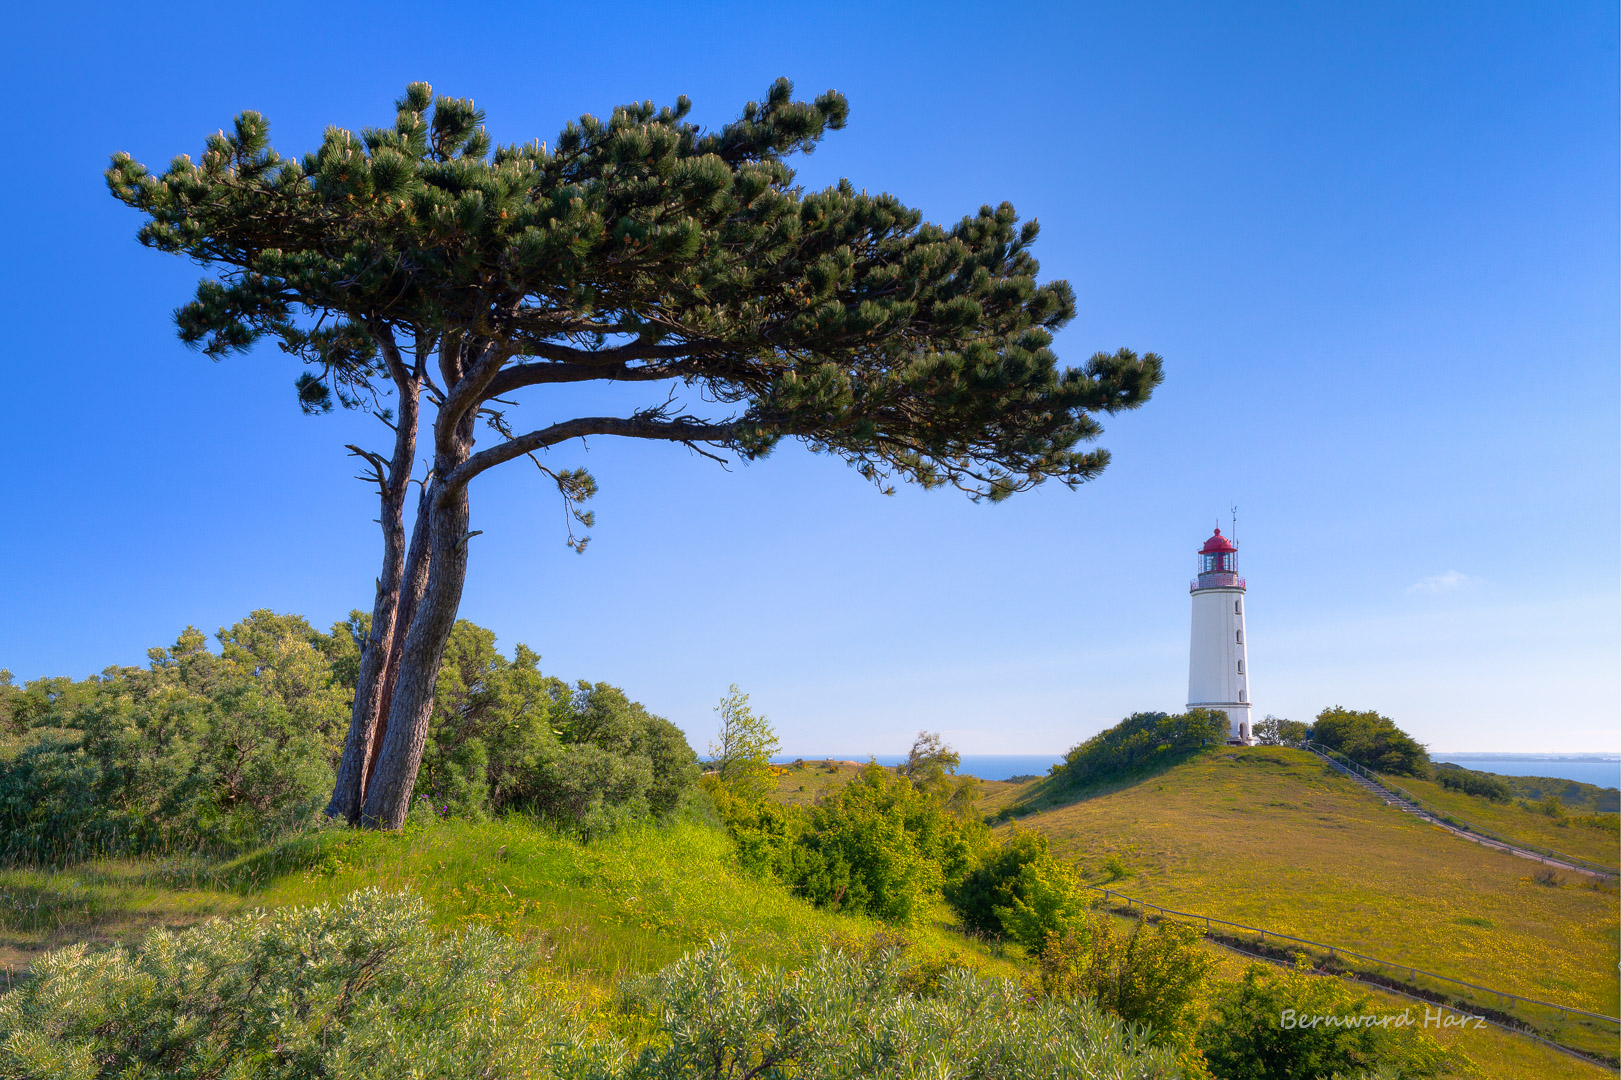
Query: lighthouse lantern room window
x=1220 y=562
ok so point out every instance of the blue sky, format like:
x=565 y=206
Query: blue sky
x=1376 y=245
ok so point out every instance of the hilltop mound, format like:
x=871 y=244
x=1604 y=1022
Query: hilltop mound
x=1270 y=837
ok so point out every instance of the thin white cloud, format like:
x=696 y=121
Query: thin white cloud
x=1436 y=584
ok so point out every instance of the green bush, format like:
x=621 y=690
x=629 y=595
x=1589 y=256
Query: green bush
x=505 y=737
x=48 y=807
x=1470 y=782
x=1018 y=890
x=844 y=1015
x=1255 y=1031
x=1140 y=743
x=205 y=751
x=361 y=988
x=1372 y=741
x=881 y=846
x=197 y=750
x=1157 y=976
x=365 y=988
x=878 y=845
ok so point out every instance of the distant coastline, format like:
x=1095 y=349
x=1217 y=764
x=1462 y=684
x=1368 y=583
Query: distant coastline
x=1592 y=768
x=1448 y=755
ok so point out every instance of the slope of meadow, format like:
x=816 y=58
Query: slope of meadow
x=622 y=905
x=1576 y=833
x=1269 y=837
x=625 y=904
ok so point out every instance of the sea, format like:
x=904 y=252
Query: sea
x=1603 y=770
x=984 y=766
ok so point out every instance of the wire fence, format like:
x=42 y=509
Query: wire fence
x=1389 y=974
x=1446 y=817
x=1517 y=1028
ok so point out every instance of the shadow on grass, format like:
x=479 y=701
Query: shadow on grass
x=1059 y=790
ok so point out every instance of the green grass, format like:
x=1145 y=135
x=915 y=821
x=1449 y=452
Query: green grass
x=803 y=783
x=1270 y=837
x=1578 y=834
x=1490 y=1051
x=626 y=904
x=632 y=902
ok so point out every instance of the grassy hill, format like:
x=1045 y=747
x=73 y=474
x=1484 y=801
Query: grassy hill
x=805 y=781
x=626 y=904
x=1270 y=837
x=1582 y=833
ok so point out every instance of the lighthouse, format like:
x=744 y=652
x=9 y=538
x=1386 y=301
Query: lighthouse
x=1218 y=661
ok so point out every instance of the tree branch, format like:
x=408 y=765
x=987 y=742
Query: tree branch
x=680 y=429
x=514 y=378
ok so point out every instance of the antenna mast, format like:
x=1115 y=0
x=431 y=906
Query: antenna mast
x=1235 y=524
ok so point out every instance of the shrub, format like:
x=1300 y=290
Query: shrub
x=48 y=807
x=365 y=988
x=1372 y=741
x=1470 y=782
x=1139 y=743
x=1156 y=976
x=1020 y=891
x=881 y=846
x=361 y=988
x=845 y=1015
x=197 y=750
x=1245 y=1037
x=878 y=845
x=220 y=752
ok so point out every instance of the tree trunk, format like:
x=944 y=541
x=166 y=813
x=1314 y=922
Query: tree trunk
x=382 y=641
x=388 y=795
x=412 y=586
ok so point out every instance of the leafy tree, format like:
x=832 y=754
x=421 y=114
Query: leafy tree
x=1372 y=741
x=742 y=750
x=640 y=248
x=929 y=758
x=1276 y=731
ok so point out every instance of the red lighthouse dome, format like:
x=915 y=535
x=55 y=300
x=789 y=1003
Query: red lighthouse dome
x=1218 y=564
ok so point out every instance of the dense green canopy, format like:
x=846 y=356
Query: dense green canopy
x=639 y=248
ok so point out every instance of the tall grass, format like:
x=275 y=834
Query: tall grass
x=625 y=904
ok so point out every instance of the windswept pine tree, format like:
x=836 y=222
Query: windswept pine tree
x=637 y=249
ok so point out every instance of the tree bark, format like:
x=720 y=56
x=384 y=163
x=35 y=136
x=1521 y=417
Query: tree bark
x=412 y=586
x=467 y=371
x=380 y=646
x=388 y=795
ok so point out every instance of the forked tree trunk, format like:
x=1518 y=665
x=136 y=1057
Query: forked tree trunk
x=388 y=795
x=381 y=641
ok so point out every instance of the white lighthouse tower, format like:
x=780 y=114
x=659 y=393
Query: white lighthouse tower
x=1218 y=661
